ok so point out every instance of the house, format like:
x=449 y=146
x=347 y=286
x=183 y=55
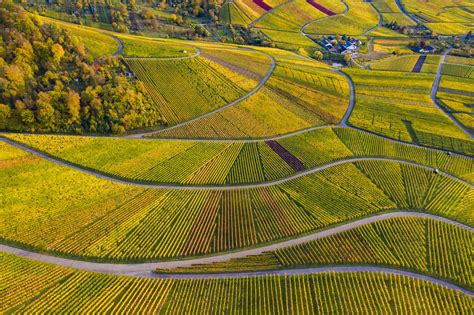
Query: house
x=350 y=46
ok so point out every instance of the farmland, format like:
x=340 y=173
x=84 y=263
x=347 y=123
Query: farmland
x=236 y=157
x=425 y=245
x=219 y=163
x=359 y=18
x=205 y=85
x=291 y=100
x=134 y=223
x=40 y=287
x=402 y=109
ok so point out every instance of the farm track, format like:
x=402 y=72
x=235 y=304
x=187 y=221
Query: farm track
x=237 y=101
x=146 y=270
x=434 y=91
x=217 y=187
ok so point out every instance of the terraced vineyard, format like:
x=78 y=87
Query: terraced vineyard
x=204 y=84
x=280 y=175
x=132 y=223
x=399 y=106
x=325 y=292
x=424 y=245
x=454 y=93
x=291 y=100
x=219 y=163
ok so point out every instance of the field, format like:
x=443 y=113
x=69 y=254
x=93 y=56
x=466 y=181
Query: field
x=398 y=105
x=360 y=18
x=455 y=96
x=133 y=223
x=424 y=245
x=442 y=16
x=41 y=288
x=279 y=176
x=219 y=163
x=291 y=100
x=204 y=84
x=146 y=47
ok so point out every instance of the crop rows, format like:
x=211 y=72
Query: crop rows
x=290 y=101
x=360 y=18
x=387 y=104
x=322 y=293
x=91 y=217
x=203 y=84
x=423 y=245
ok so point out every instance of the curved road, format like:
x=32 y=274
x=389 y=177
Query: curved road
x=302 y=29
x=145 y=270
x=219 y=187
x=196 y=54
x=120 y=46
x=434 y=91
x=255 y=90
x=251 y=24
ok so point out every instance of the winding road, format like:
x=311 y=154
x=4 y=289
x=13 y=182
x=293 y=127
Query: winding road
x=146 y=270
x=219 y=187
x=120 y=46
x=237 y=101
x=434 y=91
x=252 y=24
x=405 y=12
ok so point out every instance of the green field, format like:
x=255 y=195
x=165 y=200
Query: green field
x=195 y=157
x=133 y=223
x=398 y=105
x=41 y=288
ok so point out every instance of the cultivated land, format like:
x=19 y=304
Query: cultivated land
x=156 y=175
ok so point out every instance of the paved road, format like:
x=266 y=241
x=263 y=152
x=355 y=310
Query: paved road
x=218 y=187
x=120 y=46
x=434 y=91
x=246 y=96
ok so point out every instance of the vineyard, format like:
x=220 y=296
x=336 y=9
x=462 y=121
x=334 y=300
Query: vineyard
x=145 y=47
x=41 y=288
x=123 y=222
x=399 y=106
x=204 y=84
x=454 y=94
x=301 y=157
x=293 y=99
x=360 y=18
x=219 y=163
x=424 y=245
